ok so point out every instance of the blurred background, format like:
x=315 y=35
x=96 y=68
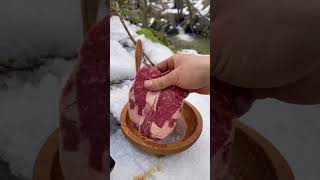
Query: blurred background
x=39 y=43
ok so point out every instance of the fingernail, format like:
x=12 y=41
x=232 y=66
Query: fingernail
x=147 y=84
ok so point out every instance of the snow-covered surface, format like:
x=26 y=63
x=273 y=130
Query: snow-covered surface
x=39 y=27
x=122 y=59
x=183 y=36
x=29 y=114
x=119 y=96
x=197 y=4
x=294 y=130
x=193 y=163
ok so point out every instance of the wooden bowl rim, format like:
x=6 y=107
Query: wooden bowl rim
x=45 y=159
x=169 y=148
x=44 y=162
x=279 y=163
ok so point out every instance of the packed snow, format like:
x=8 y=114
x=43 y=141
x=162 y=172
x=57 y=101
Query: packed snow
x=122 y=59
x=183 y=36
x=29 y=113
x=39 y=27
x=194 y=163
x=131 y=162
x=197 y=4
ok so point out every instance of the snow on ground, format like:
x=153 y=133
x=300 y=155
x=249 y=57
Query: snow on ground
x=197 y=4
x=39 y=27
x=122 y=64
x=122 y=59
x=183 y=36
x=29 y=114
x=194 y=163
x=119 y=96
x=130 y=162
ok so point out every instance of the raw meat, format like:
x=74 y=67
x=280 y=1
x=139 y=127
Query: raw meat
x=229 y=103
x=154 y=112
x=84 y=110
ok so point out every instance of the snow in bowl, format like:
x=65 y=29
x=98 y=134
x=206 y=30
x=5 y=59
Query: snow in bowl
x=190 y=126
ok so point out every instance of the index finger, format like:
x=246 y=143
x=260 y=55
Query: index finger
x=165 y=65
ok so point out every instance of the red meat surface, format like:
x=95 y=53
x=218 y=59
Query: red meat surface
x=154 y=112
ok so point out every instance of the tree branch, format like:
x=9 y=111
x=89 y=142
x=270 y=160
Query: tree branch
x=145 y=57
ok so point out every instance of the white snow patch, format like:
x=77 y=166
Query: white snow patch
x=122 y=50
x=119 y=97
x=155 y=51
x=151 y=20
x=39 y=27
x=122 y=64
x=188 y=51
x=117 y=31
x=28 y=116
x=183 y=36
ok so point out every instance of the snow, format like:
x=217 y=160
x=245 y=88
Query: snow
x=198 y=4
x=39 y=27
x=132 y=162
x=117 y=30
x=121 y=62
x=122 y=54
x=151 y=20
x=183 y=36
x=29 y=114
x=194 y=163
x=119 y=96
x=188 y=51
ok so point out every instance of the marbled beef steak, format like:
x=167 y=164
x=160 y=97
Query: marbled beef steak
x=84 y=112
x=229 y=103
x=154 y=113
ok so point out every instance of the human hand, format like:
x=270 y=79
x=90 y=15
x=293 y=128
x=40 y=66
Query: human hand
x=186 y=71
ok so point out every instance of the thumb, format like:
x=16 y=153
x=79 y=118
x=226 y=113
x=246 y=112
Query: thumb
x=162 y=82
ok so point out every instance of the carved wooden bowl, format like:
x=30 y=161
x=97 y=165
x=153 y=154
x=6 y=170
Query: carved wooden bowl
x=193 y=122
x=253 y=157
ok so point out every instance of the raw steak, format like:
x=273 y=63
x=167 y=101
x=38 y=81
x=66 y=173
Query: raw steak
x=229 y=103
x=154 y=113
x=84 y=123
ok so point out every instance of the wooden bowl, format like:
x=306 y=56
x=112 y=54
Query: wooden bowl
x=193 y=121
x=47 y=165
x=253 y=158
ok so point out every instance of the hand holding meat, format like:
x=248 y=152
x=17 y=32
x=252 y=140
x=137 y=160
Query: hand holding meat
x=189 y=72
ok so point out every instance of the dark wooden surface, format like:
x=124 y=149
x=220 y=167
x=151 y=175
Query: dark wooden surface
x=254 y=157
x=89 y=11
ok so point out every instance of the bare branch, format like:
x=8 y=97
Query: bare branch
x=145 y=57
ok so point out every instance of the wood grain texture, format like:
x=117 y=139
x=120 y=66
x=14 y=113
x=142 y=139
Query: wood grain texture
x=47 y=165
x=89 y=12
x=253 y=158
x=138 y=54
x=193 y=121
